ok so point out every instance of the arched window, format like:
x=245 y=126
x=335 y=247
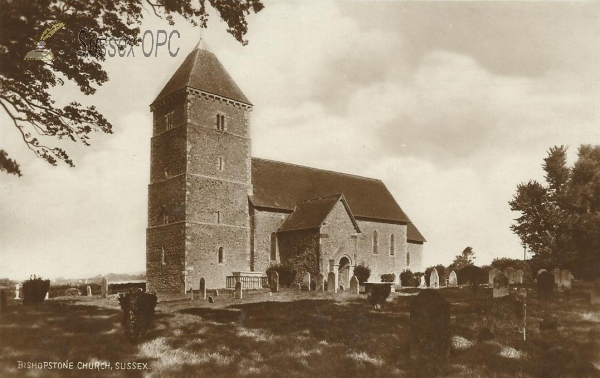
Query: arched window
x=220 y=255
x=163 y=257
x=375 y=243
x=221 y=163
x=407 y=259
x=392 y=245
x=220 y=122
x=273 y=246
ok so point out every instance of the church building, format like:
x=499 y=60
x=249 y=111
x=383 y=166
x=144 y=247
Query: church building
x=215 y=212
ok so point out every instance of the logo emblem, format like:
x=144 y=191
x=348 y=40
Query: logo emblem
x=41 y=53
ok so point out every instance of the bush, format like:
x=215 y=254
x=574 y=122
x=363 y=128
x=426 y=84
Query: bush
x=378 y=294
x=407 y=279
x=390 y=277
x=441 y=270
x=60 y=290
x=138 y=312
x=34 y=290
x=362 y=272
x=287 y=274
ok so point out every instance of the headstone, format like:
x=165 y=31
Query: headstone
x=519 y=277
x=452 y=279
x=239 y=292
x=510 y=274
x=501 y=286
x=274 y=284
x=556 y=273
x=545 y=286
x=332 y=284
x=211 y=300
x=507 y=315
x=17 y=287
x=320 y=282
x=422 y=283
x=104 y=287
x=429 y=331
x=342 y=288
x=434 y=278
x=3 y=302
x=48 y=295
x=492 y=274
x=216 y=293
x=354 y=286
x=89 y=291
x=202 y=289
x=306 y=281
x=540 y=271
x=565 y=280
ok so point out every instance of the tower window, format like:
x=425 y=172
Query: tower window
x=217 y=217
x=220 y=122
x=169 y=121
x=375 y=243
x=221 y=163
x=220 y=255
x=392 y=246
x=273 y=246
x=163 y=257
x=407 y=259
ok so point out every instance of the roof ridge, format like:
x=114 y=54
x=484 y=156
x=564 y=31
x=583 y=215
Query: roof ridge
x=338 y=195
x=318 y=169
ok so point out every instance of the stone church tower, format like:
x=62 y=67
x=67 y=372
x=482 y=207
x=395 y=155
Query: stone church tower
x=198 y=217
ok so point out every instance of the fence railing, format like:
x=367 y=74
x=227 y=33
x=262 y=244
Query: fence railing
x=247 y=282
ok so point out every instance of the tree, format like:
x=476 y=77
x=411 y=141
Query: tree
x=560 y=221
x=25 y=84
x=466 y=258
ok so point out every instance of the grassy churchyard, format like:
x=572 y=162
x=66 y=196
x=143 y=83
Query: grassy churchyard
x=292 y=333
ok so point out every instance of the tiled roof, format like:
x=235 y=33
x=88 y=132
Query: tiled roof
x=202 y=70
x=313 y=212
x=413 y=234
x=280 y=185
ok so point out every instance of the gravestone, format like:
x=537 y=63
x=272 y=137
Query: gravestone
x=306 y=281
x=492 y=274
x=89 y=291
x=540 y=271
x=519 y=277
x=565 y=280
x=202 y=288
x=239 y=292
x=104 y=287
x=422 y=283
x=216 y=293
x=429 y=330
x=3 y=302
x=434 y=278
x=342 y=288
x=320 y=282
x=274 y=284
x=332 y=284
x=545 y=286
x=48 y=294
x=17 y=287
x=510 y=274
x=556 y=273
x=354 y=286
x=501 y=286
x=211 y=300
x=452 y=279
x=507 y=316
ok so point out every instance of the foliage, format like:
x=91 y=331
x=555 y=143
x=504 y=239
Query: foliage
x=25 y=86
x=362 y=272
x=60 y=290
x=407 y=279
x=559 y=221
x=469 y=275
x=516 y=264
x=34 y=290
x=287 y=274
x=467 y=257
x=378 y=294
x=442 y=274
x=138 y=312
x=389 y=277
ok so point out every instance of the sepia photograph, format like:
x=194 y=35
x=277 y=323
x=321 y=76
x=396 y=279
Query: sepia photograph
x=287 y=188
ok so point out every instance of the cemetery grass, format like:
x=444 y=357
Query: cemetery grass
x=289 y=334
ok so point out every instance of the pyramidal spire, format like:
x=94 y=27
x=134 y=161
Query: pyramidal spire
x=202 y=43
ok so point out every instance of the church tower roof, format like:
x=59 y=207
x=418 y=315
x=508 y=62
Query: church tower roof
x=203 y=71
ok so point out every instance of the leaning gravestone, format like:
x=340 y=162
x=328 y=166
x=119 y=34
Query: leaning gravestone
x=332 y=284
x=306 y=281
x=88 y=291
x=452 y=279
x=17 y=287
x=510 y=274
x=3 y=302
x=211 y=300
x=434 y=278
x=274 y=284
x=565 y=280
x=519 y=277
x=354 y=286
x=202 y=287
x=104 y=287
x=429 y=330
x=492 y=274
x=545 y=286
x=501 y=286
x=239 y=292
x=507 y=316
x=320 y=282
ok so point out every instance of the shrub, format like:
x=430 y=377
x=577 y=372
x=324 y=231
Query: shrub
x=389 y=277
x=378 y=294
x=407 y=278
x=34 y=290
x=138 y=312
x=60 y=290
x=362 y=272
x=72 y=292
x=287 y=274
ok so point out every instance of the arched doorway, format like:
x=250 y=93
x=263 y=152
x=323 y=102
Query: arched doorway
x=344 y=272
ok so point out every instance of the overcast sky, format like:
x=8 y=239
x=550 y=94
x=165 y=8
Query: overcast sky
x=450 y=104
